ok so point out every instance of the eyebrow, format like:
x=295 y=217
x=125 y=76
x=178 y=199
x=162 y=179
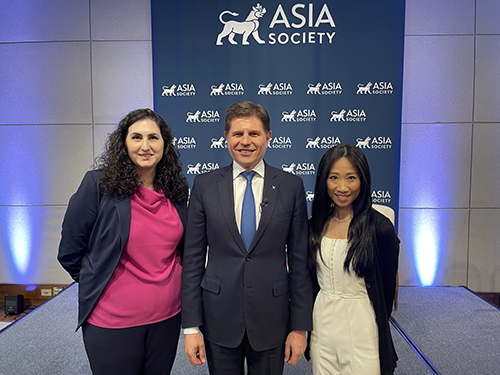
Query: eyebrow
x=349 y=173
x=242 y=131
x=141 y=133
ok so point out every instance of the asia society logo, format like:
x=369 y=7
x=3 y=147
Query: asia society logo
x=184 y=142
x=322 y=142
x=280 y=142
x=298 y=115
x=301 y=169
x=184 y=89
x=200 y=168
x=350 y=115
x=218 y=142
x=203 y=116
x=381 y=196
x=279 y=88
x=326 y=88
x=227 y=89
x=374 y=143
x=312 y=27
x=377 y=88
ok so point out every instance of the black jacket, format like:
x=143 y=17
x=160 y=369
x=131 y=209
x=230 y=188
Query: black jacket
x=95 y=231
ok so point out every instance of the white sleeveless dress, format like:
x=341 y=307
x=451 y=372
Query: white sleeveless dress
x=344 y=339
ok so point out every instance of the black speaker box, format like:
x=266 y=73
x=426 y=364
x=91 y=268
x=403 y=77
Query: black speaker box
x=14 y=304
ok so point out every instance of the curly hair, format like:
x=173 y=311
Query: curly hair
x=120 y=176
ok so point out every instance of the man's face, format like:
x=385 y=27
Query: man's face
x=247 y=141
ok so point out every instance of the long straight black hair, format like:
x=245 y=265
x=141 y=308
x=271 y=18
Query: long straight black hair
x=361 y=232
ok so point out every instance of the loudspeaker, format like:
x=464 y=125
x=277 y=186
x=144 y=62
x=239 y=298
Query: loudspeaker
x=14 y=304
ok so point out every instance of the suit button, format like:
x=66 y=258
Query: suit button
x=368 y=285
x=248 y=258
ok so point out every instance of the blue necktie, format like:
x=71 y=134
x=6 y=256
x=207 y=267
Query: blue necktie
x=248 y=211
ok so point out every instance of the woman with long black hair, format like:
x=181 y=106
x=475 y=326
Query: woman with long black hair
x=354 y=254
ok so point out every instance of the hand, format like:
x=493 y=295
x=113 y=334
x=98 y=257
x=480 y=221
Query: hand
x=295 y=346
x=195 y=348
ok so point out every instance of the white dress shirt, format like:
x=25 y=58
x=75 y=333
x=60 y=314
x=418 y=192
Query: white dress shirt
x=239 y=186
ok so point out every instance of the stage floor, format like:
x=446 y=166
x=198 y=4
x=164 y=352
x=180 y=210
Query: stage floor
x=437 y=330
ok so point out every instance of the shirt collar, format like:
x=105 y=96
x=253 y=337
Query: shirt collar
x=259 y=168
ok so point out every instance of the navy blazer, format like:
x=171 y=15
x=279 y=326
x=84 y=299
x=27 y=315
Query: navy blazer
x=95 y=231
x=266 y=291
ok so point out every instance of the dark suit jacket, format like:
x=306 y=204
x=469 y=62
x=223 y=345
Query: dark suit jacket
x=240 y=290
x=95 y=231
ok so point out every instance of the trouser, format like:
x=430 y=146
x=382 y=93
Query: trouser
x=231 y=361
x=147 y=350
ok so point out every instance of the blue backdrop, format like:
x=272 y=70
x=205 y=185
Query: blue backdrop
x=328 y=72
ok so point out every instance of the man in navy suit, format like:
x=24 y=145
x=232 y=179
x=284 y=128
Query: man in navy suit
x=250 y=301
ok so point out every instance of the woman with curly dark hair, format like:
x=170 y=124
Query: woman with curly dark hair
x=354 y=254
x=122 y=240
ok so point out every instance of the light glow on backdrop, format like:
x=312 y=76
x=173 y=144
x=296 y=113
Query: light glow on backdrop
x=432 y=182
x=20 y=233
x=426 y=242
x=21 y=184
x=18 y=223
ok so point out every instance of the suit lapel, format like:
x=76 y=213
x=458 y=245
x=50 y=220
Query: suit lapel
x=226 y=198
x=270 y=193
x=123 y=209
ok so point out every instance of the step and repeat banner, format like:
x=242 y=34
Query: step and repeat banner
x=328 y=72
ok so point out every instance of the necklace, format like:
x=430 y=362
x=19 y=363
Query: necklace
x=340 y=221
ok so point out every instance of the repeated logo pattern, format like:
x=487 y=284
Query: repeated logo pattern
x=309 y=113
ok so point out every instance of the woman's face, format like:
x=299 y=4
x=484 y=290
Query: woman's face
x=343 y=183
x=144 y=145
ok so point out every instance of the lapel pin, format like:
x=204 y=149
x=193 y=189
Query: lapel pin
x=273 y=187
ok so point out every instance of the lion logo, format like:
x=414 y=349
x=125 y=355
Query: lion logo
x=287 y=117
x=314 y=89
x=168 y=91
x=363 y=143
x=265 y=89
x=309 y=196
x=288 y=168
x=338 y=116
x=313 y=143
x=193 y=117
x=217 y=90
x=217 y=143
x=193 y=169
x=246 y=28
x=364 y=89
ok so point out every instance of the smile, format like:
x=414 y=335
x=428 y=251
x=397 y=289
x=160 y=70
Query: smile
x=244 y=151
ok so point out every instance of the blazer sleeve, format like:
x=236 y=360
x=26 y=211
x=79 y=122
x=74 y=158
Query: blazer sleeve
x=301 y=289
x=78 y=223
x=195 y=251
x=388 y=248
